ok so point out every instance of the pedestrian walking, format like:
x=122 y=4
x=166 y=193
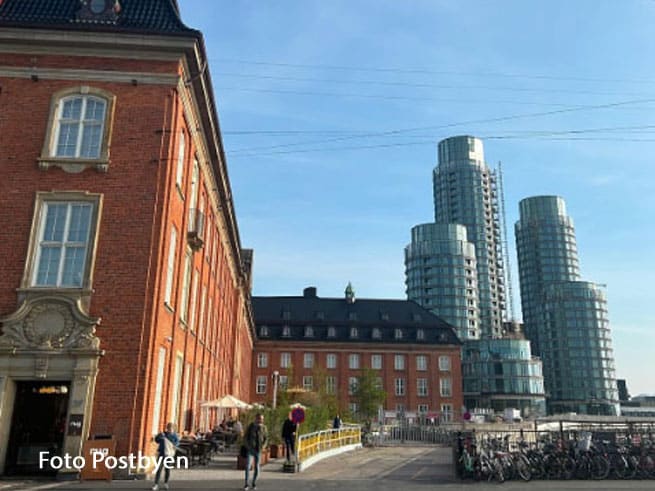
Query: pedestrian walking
x=289 y=436
x=336 y=424
x=167 y=441
x=255 y=440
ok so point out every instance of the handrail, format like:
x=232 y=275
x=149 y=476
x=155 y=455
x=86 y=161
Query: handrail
x=312 y=444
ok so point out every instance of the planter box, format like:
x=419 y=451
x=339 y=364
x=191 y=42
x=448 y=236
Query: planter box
x=276 y=451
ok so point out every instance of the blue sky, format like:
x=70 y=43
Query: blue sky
x=331 y=112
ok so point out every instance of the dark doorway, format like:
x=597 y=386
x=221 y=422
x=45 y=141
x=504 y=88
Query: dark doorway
x=37 y=425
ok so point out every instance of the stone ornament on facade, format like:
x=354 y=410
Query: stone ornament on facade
x=49 y=323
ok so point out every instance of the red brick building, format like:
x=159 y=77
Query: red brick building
x=416 y=353
x=124 y=291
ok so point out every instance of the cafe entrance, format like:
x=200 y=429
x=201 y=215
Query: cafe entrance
x=38 y=425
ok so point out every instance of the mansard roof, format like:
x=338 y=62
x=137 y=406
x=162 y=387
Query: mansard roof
x=367 y=315
x=138 y=16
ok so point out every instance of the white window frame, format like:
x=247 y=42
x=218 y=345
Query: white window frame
x=83 y=124
x=446 y=413
x=308 y=360
x=422 y=387
x=445 y=363
x=170 y=267
x=353 y=361
x=159 y=389
x=283 y=381
x=186 y=286
x=194 y=295
x=185 y=397
x=399 y=362
x=331 y=384
x=376 y=362
x=260 y=384
x=262 y=360
x=177 y=381
x=181 y=160
x=308 y=382
x=331 y=361
x=399 y=385
x=285 y=360
x=446 y=387
x=65 y=244
x=421 y=363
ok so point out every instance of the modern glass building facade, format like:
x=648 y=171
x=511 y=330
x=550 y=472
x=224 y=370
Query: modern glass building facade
x=502 y=373
x=465 y=193
x=441 y=275
x=565 y=318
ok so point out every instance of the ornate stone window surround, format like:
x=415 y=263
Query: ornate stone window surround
x=27 y=287
x=48 y=156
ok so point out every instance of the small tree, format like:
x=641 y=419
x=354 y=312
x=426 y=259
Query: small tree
x=368 y=395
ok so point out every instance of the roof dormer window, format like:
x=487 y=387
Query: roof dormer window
x=354 y=334
x=309 y=332
x=376 y=333
x=286 y=332
x=398 y=333
x=331 y=332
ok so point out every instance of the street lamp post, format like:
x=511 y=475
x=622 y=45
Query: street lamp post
x=276 y=378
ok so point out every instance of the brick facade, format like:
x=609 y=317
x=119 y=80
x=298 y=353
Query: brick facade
x=141 y=202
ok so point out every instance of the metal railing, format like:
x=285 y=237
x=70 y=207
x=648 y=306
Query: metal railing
x=393 y=434
x=312 y=444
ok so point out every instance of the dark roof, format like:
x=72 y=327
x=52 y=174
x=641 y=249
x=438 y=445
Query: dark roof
x=139 y=16
x=366 y=314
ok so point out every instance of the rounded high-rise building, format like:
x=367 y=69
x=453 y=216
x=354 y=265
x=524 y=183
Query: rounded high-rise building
x=547 y=252
x=565 y=318
x=441 y=275
x=465 y=193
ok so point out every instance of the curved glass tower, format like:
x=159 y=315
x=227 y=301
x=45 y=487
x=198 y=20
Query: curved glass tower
x=565 y=318
x=441 y=275
x=465 y=193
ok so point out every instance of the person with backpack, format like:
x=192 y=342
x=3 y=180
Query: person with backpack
x=163 y=440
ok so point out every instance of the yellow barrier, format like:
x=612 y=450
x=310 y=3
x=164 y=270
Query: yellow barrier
x=314 y=443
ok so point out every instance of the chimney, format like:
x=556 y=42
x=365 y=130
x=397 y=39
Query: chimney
x=309 y=292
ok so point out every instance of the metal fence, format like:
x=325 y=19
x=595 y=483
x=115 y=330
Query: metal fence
x=312 y=444
x=398 y=434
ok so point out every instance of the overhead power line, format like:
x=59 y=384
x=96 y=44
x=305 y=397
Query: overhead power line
x=428 y=71
x=450 y=125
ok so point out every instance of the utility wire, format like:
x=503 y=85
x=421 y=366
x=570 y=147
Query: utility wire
x=427 y=71
x=451 y=125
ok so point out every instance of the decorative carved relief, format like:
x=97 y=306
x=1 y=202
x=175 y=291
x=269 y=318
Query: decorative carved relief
x=41 y=366
x=49 y=323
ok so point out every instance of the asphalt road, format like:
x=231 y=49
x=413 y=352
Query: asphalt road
x=370 y=469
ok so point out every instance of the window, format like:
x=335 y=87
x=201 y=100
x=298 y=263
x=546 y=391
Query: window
x=261 y=384
x=331 y=332
x=262 y=360
x=308 y=382
x=444 y=363
x=376 y=362
x=376 y=334
x=353 y=361
x=400 y=386
x=263 y=331
x=186 y=281
x=284 y=381
x=308 y=361
x=421 y=387
x=331 y=385
x=420 y=334
x=177 y=381
x=353 y=383
x=399 y=362
x=181 y=157
x=445 y=387
x=309 y=332
x=353 y=333
x=185 y=397
x=194 y=293
x=353 y=407
x=331 y=361
x=446 y=413
x=193 y=212
x=398 y=333
x=159 y=387
x=421 y=363
x=285 y=360
x=286 y=332
x=64 y=242
x=422 y=408
x=170 y=269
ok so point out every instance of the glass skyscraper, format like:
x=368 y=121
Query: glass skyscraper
x=454 y=268
x=465 y=193
x=564 y=317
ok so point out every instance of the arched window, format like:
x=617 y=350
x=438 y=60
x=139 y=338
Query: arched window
x=79 y=129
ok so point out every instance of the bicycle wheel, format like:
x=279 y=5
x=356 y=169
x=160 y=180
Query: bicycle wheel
x=522 y=466
x=599 y=467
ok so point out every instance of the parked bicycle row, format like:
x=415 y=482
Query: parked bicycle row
x=579 y=457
